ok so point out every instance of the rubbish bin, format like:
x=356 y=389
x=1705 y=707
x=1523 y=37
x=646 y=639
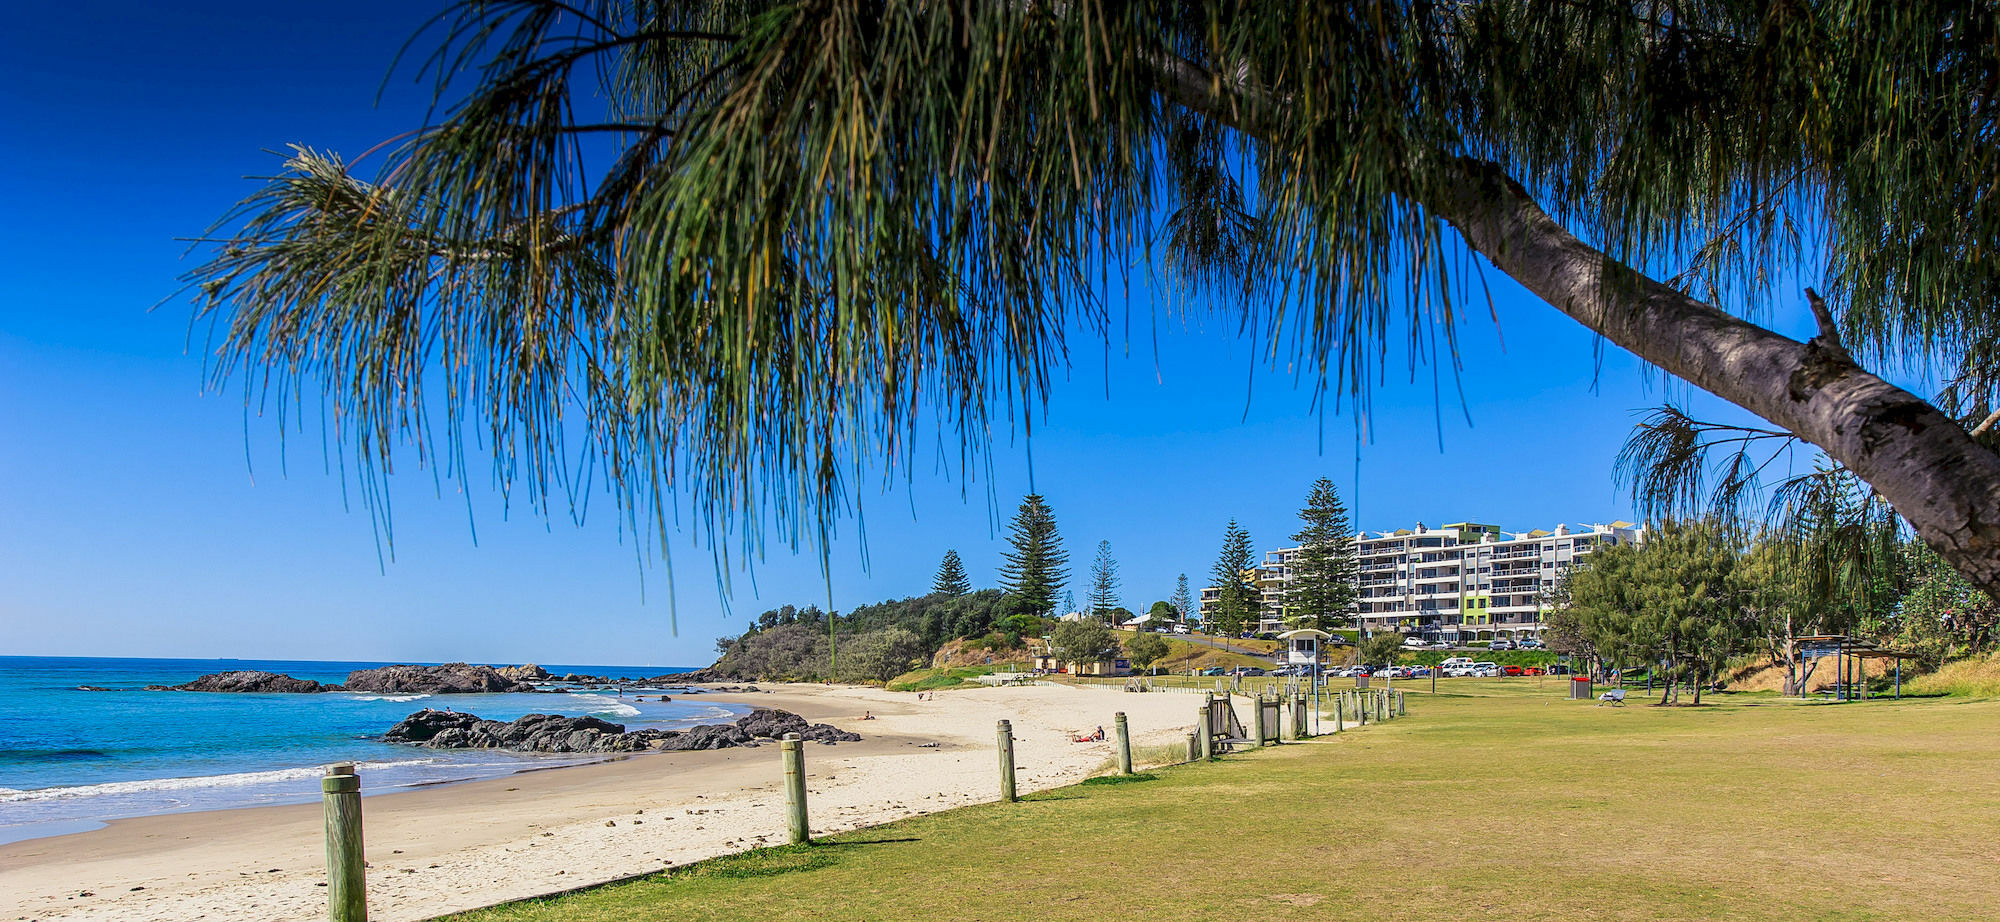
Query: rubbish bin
x=1580 y=689
x=1361 y=681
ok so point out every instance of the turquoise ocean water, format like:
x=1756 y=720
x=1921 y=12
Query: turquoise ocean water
x=71 y=759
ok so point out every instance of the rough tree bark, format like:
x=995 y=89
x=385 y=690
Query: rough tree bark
x=1924 y=463
x=1945 y=484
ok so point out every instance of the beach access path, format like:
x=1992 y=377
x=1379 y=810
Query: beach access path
x=462 y=846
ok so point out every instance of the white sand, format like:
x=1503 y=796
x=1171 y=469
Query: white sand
x=468 y=845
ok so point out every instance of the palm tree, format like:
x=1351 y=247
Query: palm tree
x=740 y=250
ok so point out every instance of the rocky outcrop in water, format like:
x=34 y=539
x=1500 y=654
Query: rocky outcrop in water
x=448 y=679
x=553 y=733
x=525 y=673
x=248 y=680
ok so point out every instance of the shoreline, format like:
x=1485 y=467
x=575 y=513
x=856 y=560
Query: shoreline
x=278 y=783
x=449 y=847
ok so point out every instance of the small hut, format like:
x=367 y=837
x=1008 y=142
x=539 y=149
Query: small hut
x=1302 y=647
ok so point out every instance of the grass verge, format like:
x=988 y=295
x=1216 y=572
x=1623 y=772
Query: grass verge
x=918 y=680
x=1750 y=809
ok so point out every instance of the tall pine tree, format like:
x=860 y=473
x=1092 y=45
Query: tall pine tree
x=1183 y=601
x=1037 y=567
x=1236 y=603
x=951 y=578
x=1103 y=583
x=1322 y=588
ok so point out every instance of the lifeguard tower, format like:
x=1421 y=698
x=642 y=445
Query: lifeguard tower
x=1302 y=647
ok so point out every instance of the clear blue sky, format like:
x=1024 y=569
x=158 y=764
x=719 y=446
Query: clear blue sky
x=145 y=517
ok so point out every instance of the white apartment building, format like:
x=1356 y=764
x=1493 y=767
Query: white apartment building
x=1461 y=582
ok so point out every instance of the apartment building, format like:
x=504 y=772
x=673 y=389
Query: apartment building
x=1461 y=582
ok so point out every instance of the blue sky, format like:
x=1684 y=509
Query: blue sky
x=147 y=516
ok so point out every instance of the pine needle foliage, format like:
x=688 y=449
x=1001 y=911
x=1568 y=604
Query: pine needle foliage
x=951 y=578
x=746 y=252
x=1236 y=599
x=1103 y=583
x=1322 y=589
x=1036 y=566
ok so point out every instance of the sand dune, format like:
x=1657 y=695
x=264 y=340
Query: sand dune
x=469 y=845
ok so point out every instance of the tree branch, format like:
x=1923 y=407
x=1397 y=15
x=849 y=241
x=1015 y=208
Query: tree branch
x=1923 y=462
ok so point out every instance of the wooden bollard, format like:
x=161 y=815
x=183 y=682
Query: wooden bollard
x=1202 y=727
x=346 y=866
x=1194 y=746
x=794 y=750
x=1124 y=743
x=1402 y=705
x=1006 y=734
x=1381 y=704
x=1339 y=713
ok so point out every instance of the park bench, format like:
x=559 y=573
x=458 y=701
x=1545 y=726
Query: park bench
x=1615 y=697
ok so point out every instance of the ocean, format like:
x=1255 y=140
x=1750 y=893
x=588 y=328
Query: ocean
x=72 y=759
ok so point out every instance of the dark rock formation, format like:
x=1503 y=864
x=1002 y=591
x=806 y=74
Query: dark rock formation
x=525 y=673
x=448 y=679
x=251 y=681
x=771 y=723
x=553 y=733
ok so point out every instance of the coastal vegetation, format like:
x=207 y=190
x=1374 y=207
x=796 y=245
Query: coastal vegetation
x=1712 y=598
x=951 y=577
x=876 y=642
x=1036 y=566
x=902 y=222
x=1731 y=813
x=1322 y=590
x=1236 y=600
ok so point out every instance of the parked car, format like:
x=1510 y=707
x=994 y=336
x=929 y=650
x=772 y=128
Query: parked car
x=1420 y=672
x=1214 y=670
x=1531 y=643
x=1415 y=643
x=1250 y=670
x=1500 y=643
x=1486 y=669
x=1534 y=670
x=1511 y=670
x=1457 y=661
x=1180 y=628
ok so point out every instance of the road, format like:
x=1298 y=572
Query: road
x=1223 y=645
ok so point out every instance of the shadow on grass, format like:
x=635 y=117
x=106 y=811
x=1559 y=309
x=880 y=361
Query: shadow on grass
x=865 y=842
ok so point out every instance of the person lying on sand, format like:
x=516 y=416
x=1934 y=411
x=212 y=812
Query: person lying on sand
x=867 y=715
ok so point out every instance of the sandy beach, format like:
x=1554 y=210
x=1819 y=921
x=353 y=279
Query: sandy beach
x=468 y=845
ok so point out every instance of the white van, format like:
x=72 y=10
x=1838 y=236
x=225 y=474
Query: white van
x=1465 y=661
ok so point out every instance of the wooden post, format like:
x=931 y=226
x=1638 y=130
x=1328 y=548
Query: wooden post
x=794 y=750
x=1202 y=727
x=346 y=865
x=1006 y=734
x=1124 y=743
x=1340 y=713
x=1194 y=746
x=1402 y=705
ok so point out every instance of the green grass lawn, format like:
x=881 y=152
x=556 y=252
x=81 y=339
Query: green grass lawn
x=1493 y=799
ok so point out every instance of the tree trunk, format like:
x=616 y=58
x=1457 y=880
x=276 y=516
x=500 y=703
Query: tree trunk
x=1926 y=465
x=1920 y=460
